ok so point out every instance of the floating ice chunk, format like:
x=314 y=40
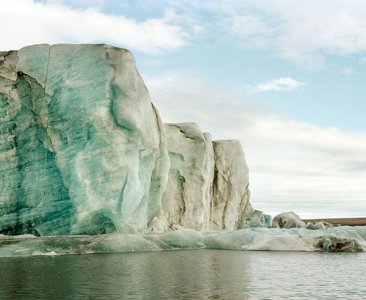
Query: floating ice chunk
x=51 y=253
x=257 y=219
x=339 y=244
x=288 y=220
x=318 y=225
x=337 y=239
x=280 y=243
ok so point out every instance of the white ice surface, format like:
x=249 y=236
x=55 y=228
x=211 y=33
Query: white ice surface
x=342 y=239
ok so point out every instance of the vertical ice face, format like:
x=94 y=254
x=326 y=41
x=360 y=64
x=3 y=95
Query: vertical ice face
x=230 y=200
x=83 y=150
x=208 y=181
x=186 y=201
x=81 y=146
x=33 y=196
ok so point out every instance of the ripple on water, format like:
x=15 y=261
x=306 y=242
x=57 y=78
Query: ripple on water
x=189 y=274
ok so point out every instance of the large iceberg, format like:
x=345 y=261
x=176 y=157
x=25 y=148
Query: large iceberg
x=84 y=151
x=87 y=163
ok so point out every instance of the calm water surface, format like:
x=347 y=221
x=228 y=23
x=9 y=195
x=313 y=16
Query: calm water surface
x=195 y=274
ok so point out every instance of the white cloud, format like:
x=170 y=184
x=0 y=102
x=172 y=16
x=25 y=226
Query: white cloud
x=277 y=85
x=26 y=22
x=293 y=165
x=301 y=35
x=346 y=71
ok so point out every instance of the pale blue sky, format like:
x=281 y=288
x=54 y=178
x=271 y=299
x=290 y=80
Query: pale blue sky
x=285 y=77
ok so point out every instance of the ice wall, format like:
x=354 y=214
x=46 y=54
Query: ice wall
x=230 y=198
x=187 y=198
x=83 y=150
x=208 y=186
x=81 y=146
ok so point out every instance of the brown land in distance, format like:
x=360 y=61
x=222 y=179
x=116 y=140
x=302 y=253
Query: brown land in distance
x=340 y=221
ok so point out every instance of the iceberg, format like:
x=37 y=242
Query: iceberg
x=288 y=220
x=81 y=146
x=84 y=151
x=88 y=166
x=230 y=204
x=186 y=201
x=208 y=182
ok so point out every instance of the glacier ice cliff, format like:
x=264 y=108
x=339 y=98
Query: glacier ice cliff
x=186 y=201
x=230 y=204
x=84 y=151
x=208 y=183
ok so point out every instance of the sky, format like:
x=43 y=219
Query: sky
x=284 y=77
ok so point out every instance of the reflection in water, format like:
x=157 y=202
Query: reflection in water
x=150 y=275
x=190 y=274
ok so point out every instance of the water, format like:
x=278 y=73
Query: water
x=187 y=274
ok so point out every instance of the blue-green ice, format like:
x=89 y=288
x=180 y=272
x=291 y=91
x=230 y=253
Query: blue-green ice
x=83 y=152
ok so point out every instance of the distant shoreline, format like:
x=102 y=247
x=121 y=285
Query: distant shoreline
x=340 y=221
